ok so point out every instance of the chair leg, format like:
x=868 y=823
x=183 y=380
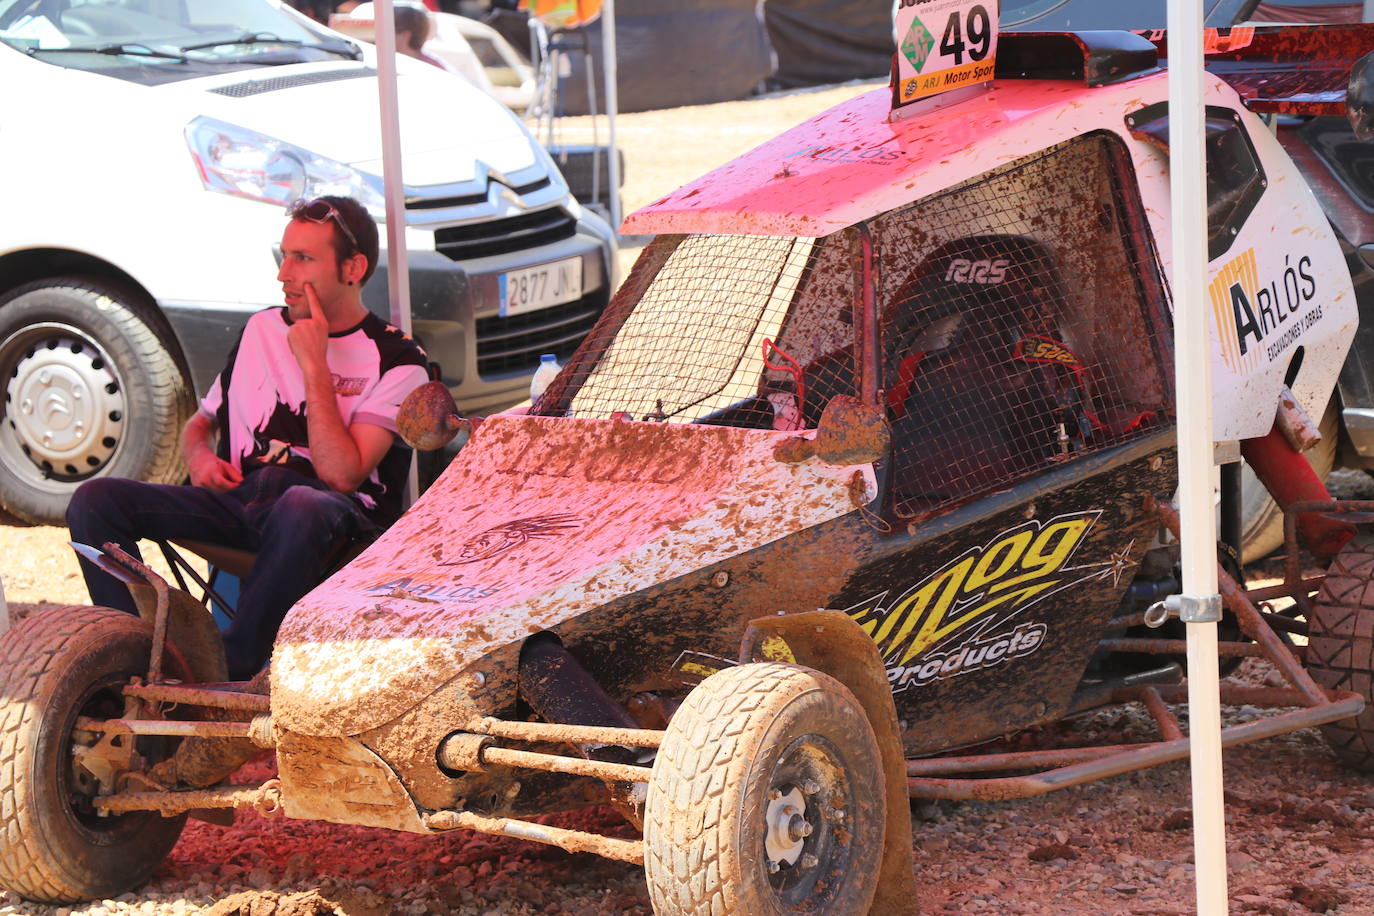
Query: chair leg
x=176 y=562
x=209 y=593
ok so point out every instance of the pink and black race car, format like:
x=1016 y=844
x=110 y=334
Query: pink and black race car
x=868 y=460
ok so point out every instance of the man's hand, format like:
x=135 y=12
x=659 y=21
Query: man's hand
x=206 y=468
x=309 y=335
x=210 y=471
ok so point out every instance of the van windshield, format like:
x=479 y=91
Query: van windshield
x=107 y=35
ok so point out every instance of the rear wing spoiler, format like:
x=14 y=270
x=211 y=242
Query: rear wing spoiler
x=1293 y=69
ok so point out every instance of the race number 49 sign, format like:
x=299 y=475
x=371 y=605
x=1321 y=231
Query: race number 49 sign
x=942 y=44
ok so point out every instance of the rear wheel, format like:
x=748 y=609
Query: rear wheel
x=766 y=798
x=56 y=665
x=1340 y=647
x=90 y=387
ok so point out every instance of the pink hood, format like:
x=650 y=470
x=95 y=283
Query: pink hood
x=537 y=521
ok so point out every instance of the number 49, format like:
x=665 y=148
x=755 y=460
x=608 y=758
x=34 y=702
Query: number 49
x=978 y=29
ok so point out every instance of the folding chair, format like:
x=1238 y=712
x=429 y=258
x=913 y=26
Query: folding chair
x=228 y=566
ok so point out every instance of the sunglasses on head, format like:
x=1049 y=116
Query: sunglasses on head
x=322 y=211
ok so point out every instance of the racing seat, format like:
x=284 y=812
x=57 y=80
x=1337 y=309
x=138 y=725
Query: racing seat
x=981 y=390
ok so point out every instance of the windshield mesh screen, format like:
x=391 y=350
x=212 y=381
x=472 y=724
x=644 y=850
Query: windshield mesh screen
x=1019 y=316
x=1022 y=317
x=692 y=334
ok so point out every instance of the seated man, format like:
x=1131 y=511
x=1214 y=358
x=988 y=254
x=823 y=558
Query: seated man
x=307 y=454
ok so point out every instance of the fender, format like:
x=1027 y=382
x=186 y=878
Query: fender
x=832 y=643
x=192 y=635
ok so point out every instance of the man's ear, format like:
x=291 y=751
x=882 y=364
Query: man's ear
x=354 y=267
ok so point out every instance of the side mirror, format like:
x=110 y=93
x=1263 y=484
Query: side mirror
x=1359 y=98
x=428 y=418
x=850 y=432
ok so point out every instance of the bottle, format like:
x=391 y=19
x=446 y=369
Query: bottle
x=547 y=371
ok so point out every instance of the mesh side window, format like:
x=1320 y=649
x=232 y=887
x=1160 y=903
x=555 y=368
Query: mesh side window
x=1021 y=317
x=692 y=333
x=819 y=333
x=1235 y=179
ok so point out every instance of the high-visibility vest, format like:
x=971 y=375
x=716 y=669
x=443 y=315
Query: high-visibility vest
x=563 y=14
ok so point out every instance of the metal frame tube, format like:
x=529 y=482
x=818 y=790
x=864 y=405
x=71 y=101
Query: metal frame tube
x=1292 y=563
x=176 y=729
x=1254 y=625
x=178 y=564
x=631 y=851
x=1163 y=716
x=866 y=327
x=265 y=798
x=159 y=586
x=573 y=766
x=1284 y=590
x=567 y=734
x=233 y=700
x=1175 y=646
x=1275 y=649
x=1120 y=761
x=1266 y=697
x=1020 y=760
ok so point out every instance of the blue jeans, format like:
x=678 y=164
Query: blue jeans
x=292 y=522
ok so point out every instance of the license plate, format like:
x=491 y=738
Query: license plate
x=540 y=287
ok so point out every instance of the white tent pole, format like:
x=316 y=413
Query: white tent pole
x=608 y=67
x=398 y=263
x=1200 y=605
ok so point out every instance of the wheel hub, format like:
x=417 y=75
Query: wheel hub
x=806 y=822
x=787 y=826
x=63 y=401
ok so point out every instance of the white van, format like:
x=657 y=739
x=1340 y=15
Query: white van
x=148 y=148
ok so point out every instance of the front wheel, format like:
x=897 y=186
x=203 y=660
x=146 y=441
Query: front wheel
x=55 y=666
x=766 y=798
x=90 y=387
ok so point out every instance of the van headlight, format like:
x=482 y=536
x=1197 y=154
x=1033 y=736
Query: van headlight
x=244 y=163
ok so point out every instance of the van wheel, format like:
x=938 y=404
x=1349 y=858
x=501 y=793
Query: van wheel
x=1340 y=649
x=56 y=665
x=90 y=388
x=1261 y=530
x=766 y=798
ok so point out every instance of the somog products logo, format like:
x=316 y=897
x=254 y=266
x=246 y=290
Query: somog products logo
x=950 y=622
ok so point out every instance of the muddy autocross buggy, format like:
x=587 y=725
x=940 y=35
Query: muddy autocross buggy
x=867 y=461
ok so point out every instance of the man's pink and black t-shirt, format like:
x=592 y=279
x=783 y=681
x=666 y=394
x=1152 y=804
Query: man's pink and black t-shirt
x=374 y=366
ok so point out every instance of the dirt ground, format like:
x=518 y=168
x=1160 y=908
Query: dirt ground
x=1300 y=826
